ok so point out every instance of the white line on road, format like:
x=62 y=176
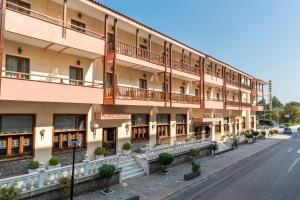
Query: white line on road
x=293 y=165
x=289 y=150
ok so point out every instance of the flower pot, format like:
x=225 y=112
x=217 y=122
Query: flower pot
x=250 y=140
x=98 y=157
x=126 y=152
x=191 y=175
x=31 y=171
x=54 y=166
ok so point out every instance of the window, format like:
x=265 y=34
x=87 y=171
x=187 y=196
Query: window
x=165 y=87
x=181 y=124
x=77 y=26
x=226 y=124
x=163 y=125
x=218 y=96
x=218 y=127
x=207 y=95
x=182 y=90
x=243 y=122
x=139 y=127
x=16 y=135
x=19 y=6
x=143 y=83
x=76 y=76
x=17 y=67
x=66 y=128
x=196 y=92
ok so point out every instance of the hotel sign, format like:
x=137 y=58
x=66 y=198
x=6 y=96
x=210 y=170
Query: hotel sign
x=107 y=116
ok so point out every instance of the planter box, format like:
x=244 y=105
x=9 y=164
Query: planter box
x=250 y=140
x=98 y=157
x=191 y=175
x=54 y=166
x=126 y=152
x=30 y=171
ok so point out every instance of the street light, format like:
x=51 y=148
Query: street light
x=210 y=126
x=74 y=144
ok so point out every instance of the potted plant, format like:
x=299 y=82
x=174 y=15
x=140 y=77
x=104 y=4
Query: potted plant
x=99 y=152
x=54 y=162
x=194 y=173
x=255 y=134
x=249 y=137
x=107 y=171
x=33 y=166
x=10 y=192
x=214 y=147
x=263 y=133
x=65 y=187
x=126 y=149
x=235 y=142
x=165 y=159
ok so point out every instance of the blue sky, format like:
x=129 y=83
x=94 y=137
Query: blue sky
x=261 y=37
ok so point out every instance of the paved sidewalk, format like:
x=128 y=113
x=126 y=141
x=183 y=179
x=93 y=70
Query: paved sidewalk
x=157 y=186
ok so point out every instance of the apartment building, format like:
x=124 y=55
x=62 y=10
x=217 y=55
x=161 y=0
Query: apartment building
x=77 y=69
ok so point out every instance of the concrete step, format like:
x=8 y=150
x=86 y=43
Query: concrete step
x=130 y=168
x=132 y=174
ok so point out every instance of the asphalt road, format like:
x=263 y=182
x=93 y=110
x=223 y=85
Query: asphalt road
x=271 y=175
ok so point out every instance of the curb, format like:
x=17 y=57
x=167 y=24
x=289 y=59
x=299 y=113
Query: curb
x=221 y=170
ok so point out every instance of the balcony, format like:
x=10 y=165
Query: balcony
x=213 y=79
x=246 y=105
x=213 y=103
x=257 y=108
x=32 y=87
x=29 y=26
x=232 y=84
x=131 y=53
x=255 y=93
x=138 y=96
x=232 y=105
x=246 y=88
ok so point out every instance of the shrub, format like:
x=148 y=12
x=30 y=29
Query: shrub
x=65 y=187
x=195 y=167
x=263 y=133
x=255 y=133
x=99 y=151
x=107 y=171
x=235 y=141
x=54 y=161
x=194 y=153
x=165 y=159
x=33 y=165
x=214 y=147
x=9 y=193
x=276 y=131
x=249 y=135
x=126 y=146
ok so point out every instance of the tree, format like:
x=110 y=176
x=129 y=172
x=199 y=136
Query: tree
x=165 y=159
x=276 y=103
x=107 y=171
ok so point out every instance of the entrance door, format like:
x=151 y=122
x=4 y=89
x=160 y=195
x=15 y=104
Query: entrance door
x=109 y=140
x=198 y=132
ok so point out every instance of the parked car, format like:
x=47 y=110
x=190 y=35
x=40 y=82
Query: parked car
x=287 y=131
x=281 y=126
x=298 y=129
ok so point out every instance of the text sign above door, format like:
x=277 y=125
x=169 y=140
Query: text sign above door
x=107 y=116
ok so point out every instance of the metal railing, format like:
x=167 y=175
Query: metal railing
x=232 y=82
x=49 y=79
x=139 y=94
x=232 y=103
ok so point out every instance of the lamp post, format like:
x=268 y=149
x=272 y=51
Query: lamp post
x=210 y=126
x=74 y=144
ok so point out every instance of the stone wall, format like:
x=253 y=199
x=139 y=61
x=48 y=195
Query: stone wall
x=82 y=186
x=14 y=167
x=155 y=166
x=66 y=158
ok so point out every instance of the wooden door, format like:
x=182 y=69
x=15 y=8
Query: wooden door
x=109 y=140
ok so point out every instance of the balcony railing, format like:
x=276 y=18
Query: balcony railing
x=139 y=94
x=143 y=54
x=41 y=16
x=214 y=99
x=245 y=86
x=49 y=79
x=232 y=82
x=232 y=103
x=183 y=98
x=218 y=75
x=245 y=104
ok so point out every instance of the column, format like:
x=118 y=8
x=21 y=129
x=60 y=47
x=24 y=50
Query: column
x=115 y=61
x=137 y=42
x=64 y=18
x=170 y=75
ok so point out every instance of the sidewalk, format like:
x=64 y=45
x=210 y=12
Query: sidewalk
x=157 y=186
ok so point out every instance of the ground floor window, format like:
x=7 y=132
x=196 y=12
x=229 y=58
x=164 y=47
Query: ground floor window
x=163 y=126
x=139 y=127
x=243 y=122
x=16 y=135
x=252 y=122
x=68 y=127
x=181 y=125
x=218 y=128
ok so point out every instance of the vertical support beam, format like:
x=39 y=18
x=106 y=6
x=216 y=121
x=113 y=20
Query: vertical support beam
x=190 y=59
x=200 y=94
x=2 y=28
x=202 y=79
x=105 y=55
x=137 y=42
x=65 y=8
x=182 y=58
x=165 y=72
x=170 y=75
x=224 y=87
x=240 y=92
x=115 y=61
x=149 y=46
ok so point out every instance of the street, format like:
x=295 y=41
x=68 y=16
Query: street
x=272 y=175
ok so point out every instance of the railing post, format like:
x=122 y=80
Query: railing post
x=41 y=176
x=174 y=146
x=147 y=152
x=86 y=165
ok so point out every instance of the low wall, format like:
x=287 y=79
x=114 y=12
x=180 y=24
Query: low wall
x=81 y=186
x=155 y=166
x=14 y=167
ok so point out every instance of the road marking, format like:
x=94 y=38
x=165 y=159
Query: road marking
x=289 y=150
x=293 y=165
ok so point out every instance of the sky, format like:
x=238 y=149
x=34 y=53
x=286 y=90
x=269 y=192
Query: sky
x=260 y=37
